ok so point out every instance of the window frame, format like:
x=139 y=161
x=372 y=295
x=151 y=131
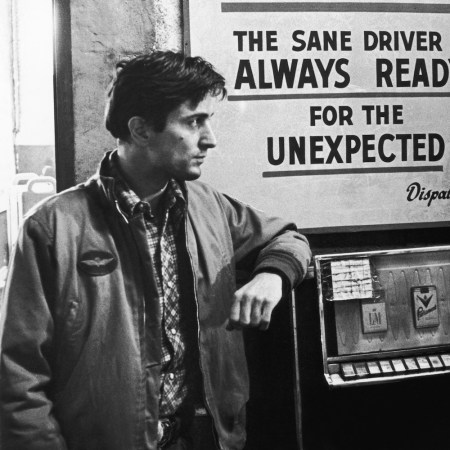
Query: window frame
x=63 y=96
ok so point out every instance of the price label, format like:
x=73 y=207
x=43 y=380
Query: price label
x=436 y=362
x=348 y=371
x=423 y=363
x=361 y=369
x=446 y=360
x=386 y=366
x=411 y=364
x=398 y=365
x=374 y=368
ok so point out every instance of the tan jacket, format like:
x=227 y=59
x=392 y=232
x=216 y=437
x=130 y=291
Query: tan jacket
x=72 y=319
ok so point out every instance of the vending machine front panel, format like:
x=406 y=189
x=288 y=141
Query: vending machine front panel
x=384 y=314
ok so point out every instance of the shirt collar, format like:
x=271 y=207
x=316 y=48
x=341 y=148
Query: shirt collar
x=130 y=202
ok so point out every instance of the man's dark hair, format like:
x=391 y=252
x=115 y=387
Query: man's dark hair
x=153 y=85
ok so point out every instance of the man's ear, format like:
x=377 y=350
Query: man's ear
x=140 y=130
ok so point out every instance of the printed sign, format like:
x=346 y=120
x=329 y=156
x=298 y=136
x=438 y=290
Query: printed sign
x=337 y=113
x=351 y=279
x=425 y=304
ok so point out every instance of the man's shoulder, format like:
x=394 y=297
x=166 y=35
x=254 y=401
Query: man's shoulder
x=200 y=188
x=203 y=192
x=206 y=192
x=69 y=203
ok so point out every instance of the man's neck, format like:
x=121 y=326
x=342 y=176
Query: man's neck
x=140 y=178
x=155 y=199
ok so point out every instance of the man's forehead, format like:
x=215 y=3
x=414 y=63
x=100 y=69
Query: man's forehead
x=205 y=106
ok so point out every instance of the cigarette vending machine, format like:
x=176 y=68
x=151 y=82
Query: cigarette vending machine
x=382 y=379
x=384 y=316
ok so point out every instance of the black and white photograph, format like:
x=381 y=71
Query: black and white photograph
x=224 y=225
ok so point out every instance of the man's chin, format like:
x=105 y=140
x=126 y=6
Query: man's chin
x=191 y=176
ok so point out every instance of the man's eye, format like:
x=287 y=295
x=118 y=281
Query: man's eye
x=195 y=123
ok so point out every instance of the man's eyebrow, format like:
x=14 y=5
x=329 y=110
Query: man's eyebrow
x=198 y=114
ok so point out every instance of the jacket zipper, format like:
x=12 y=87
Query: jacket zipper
x=198 y=330
x=144 y=321
x=124 y=217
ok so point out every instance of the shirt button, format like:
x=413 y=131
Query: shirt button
x=171 y=376
x=173 y=331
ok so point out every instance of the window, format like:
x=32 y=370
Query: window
x=26 y=113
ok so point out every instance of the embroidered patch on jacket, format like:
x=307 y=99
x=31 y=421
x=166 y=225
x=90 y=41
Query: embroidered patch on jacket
x=96 y=263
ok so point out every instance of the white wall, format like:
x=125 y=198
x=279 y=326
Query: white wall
x=103 y=31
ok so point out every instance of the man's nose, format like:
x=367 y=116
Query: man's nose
x=208 y=138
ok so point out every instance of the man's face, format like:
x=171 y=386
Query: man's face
x=180 y=149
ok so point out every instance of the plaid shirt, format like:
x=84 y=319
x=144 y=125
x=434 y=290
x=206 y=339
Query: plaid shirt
x=161 y=230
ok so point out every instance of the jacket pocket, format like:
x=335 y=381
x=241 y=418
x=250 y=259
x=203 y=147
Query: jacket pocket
x=70 y=338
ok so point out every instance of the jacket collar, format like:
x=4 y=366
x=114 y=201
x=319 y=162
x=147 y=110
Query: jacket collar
x=106 y=183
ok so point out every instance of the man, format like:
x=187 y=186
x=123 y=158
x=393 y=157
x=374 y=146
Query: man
x=120 y=318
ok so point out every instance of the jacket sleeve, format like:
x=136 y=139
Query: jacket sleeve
x=26 y=332
x=264 y=243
